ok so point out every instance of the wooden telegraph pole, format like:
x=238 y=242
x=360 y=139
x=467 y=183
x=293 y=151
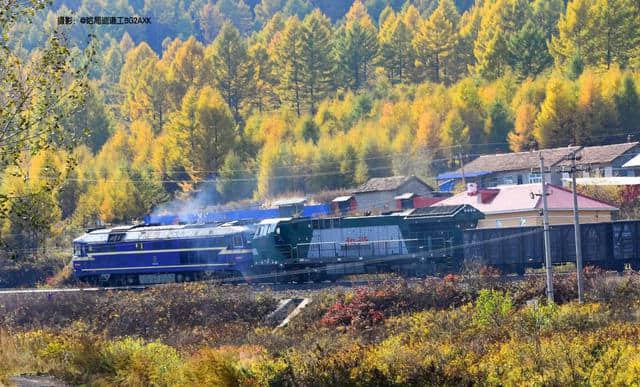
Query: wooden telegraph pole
x=576 y=226
x=547 y=239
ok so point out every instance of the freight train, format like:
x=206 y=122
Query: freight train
x=426 y=241
x=419 y=241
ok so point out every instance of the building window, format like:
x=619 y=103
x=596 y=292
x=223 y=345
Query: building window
x=535 y=178
x=508 y=180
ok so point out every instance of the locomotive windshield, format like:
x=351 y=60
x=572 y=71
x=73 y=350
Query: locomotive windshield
x=264 y=229
x=79 y=249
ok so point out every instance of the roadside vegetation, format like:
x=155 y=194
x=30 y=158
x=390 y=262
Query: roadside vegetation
x=448 y=331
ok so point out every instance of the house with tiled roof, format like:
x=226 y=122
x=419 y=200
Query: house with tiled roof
x=378 y=193
x=523 y=167
x=606 y=160
x=521 y=205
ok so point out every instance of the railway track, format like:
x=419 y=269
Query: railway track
x=272 y=286
x=71 y=290
x=254 y=287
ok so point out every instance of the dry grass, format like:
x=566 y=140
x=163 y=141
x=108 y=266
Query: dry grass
x=183 y=314
x=14 y=359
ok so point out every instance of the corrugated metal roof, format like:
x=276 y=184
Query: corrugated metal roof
x=517 y=198
x=274 y=220
x=342 y=199
x=407 y=195
x=289 y=201
x=387 y=183
x=601 y=154
x=517 y=161
x=437 y=210
x=458 y=174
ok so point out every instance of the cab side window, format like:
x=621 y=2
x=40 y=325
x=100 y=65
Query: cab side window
x=237 y=240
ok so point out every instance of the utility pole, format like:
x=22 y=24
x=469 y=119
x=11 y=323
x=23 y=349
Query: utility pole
x=547 y=239
x=576 y=226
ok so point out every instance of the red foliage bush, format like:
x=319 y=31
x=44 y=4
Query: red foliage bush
x=450 y=278
x=360 y=311
x=370 y=306
x=593 y=272
x=489 y=271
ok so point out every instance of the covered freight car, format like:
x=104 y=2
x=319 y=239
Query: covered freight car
x=515 y=249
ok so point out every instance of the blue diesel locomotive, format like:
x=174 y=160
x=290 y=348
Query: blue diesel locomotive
x=145 y=254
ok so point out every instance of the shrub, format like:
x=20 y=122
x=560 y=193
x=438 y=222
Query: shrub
x=212 y=367
x=136 y=363
x=406 y=360
x=557 y=360
x=619 y=365
x=14 y=357
x=368 y=307
x=331 y=365
x=73 y=355
x=27 y=274
x=62 y=277
x=233 y=366
x=175 y=313
x=535 y=320
x=583 y=318
x=358 y=311
x=491 y=308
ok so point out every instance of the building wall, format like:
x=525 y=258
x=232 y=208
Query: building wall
x=380 y=201
x=533 y=218
x=416 y=187
x=616 y=165
x=517 y=177
x=376 y=201
x=608 y=170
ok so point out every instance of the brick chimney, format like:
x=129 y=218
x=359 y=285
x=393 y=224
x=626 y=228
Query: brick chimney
x=486 y=195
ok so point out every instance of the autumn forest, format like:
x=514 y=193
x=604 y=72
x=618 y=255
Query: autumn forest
x=256 y=99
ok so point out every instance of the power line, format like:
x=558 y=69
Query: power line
x=256 y=178
x=373 y=158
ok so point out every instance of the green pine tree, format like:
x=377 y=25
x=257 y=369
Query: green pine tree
x=232 y=70
x=315 y=56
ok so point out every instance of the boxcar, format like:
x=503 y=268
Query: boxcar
x=515 y=249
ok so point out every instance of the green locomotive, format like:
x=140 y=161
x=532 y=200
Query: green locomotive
x=415 y=242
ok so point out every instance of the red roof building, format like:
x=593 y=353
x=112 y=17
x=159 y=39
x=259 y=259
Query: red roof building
x=520 y=205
